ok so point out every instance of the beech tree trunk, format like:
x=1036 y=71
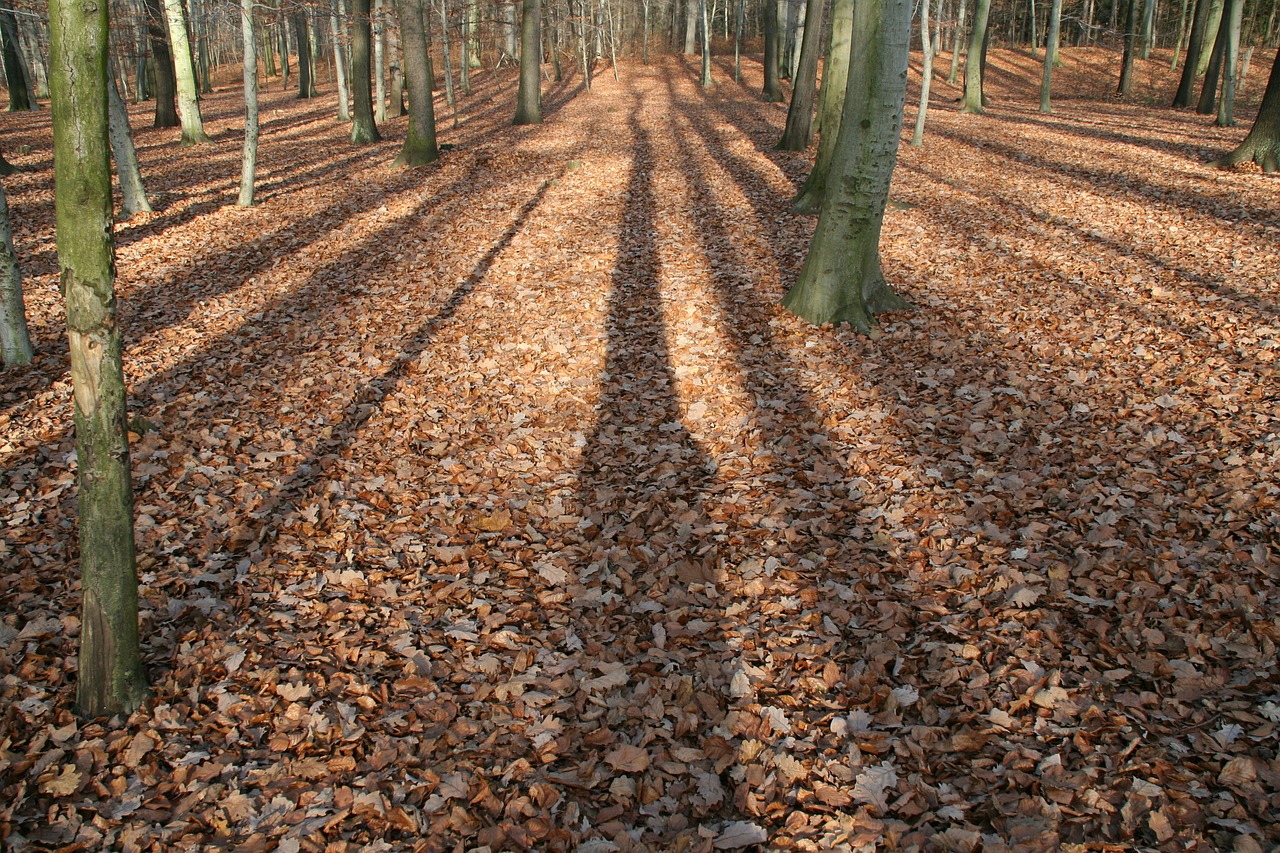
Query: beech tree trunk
x=302 y=35
x=379 y=64
x=1186 y=84
x=835 y=77
x=769 y=22
x=1208 y=102
x=110 y=679
x=841 y=280
x=184 y=75
x=1232 y=17
x=1262 y=145
x=339 y=67
x=1126 y=62
x=15 y=340
x=1050 y=54
x=249 y=154
x=363 y=129
x=529 y=97
x=126 y=156
x=917 y=136
x=166 y=84
x=799 y=127
x=973 y=100
x=19 y=89
x=420 y=142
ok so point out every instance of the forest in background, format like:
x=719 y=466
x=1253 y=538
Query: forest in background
x=498 y=504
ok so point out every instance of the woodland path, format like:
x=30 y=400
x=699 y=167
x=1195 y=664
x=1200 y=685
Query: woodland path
x=497 y=503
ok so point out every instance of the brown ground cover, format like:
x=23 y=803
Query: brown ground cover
x=497 y=504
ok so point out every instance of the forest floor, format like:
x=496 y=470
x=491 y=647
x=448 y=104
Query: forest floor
x=497 y=505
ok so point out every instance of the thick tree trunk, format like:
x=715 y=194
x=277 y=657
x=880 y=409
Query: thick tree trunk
x=15 y=75
x=126 y=156
x=302 y=35
x=184 y=75
x=1186 y=84
x=835 y=77
x=363 y=129
x=340 y=67
x=799 y=127
x=772 y=85
x=1212 y=25
x=1262 y=145
x=249 y=154
x=110 y=679
x=841 y=280
x=420 y=143
x=15 y=340
x=529 y=97
x=1050 y=54
x=917 y=136
x=1230 y=60
x=973 y=101
x=690 y=25
x=1208 y=102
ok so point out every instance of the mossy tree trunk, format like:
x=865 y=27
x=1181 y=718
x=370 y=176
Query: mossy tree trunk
x=15 y=340
x=835 y=76
x=973 y=100
x=1262 y=145
x=841 y=280
x=799 y=127
x=363 y=128
x=529 y=97
x=184 y=75
x=420 y=142
x=111 y=679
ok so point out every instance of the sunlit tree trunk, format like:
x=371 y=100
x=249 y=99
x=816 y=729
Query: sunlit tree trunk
x=379 y=64
x=1230 y=60
x=841 y=280
x=339 y=66
x=917 y=136
x=529 y=97
x=110 y=678
x=134 y=194
x=15 y=341
x=973 y=100
x=1148 y=28
x=1262 y=145
x=1212 y=24
x=1126 y=62
x=799 y=126
x=705 y=46
x=249 y=153
x=184 y=75
x=420 y=143
x=690 y=26
x=302 y=35
x=1208 y=102
x=835 y=77
x=363 y=129
x=1050 y=54
x=957 y=41
x=1186 y=84
x=15 y=75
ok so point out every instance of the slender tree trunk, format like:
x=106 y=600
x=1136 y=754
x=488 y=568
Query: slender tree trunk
x=772 y=85
x=798 y=130
x=464 y=50
x=301 y=34
x=1233 y=14
x=841 y=280
x=706 y=46
x=340 y=66
x=956 y=41
x=1035 y=33
x=1212 y=25
x=126 y=157
x=644 y=50
x=738 y=14
x=1182 y=34
x=1186 y=84
x=363 y=129
x=1050 y=54
x=110 y=677
x=835 y=77
x=917 y=137
x=184 y=75
x=449 y=95
x=15 y=340
x=973 y=99
x=20 y=99
x=420 y=142
x=797 y=14
x=1126 y=63
x=1148 y=28
x=249 y=154
x=395 y=71
x=1262 y=145
x=529 y=97
x=379 y=64
x=162 y=63
x=1208 y=102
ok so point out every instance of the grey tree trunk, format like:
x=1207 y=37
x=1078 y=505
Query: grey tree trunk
x=529 y=97
x=15 y=340
x=1182 y=34
x=841 y=280
x=449 y=97
x=184 y=75
x=705 y=46
x=799 y=128
x=340 y=66
x=956 y=42
x=1050 y=55
x=690 y=25
x=1130 y=36
x=509 y=28
x=15 y=75
x=835 y=76
x=1230 y=62
x=1208 y=102
x=395 y=72
x=29 y=34
x=126 y=156
x=110 y=678
x=249 y=154
x=420 y=143
x=1186 y=84
x=769 y=23
x=1212 y=24
x=795 y=37
x=302 y=35
x=1148 y=28
x=379 y=64
x=972 y=101
x=917 y=136
x=1262 y=145
x=1035 y=33
x=363 y=129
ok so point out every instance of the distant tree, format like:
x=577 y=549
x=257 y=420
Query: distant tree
x=379 y=64
x=15 y=341
x=15 y=75
x=1186 y=84
x=1208 y=102
x=249 y=153
x=1233 y=14
x=1130 y=36
x=835 y=76
x=184 y=75
x=705 y=44
x=529 y=97
x=420 y=142
x=302 y=35
x=975 y=62
x=799 y=126
x=1050 y=54
x=126 y=156
x=1262 y=145
x=363 y=129
x=841 y=280
x=340 y=65
x=769 y=22
x=926 y=75
x=110 y=677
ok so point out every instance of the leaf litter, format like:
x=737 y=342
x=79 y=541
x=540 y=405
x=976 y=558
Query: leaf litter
x=496 y=505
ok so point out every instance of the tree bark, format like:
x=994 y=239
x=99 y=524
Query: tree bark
x=926 y=74
x=20 y=99
x=973 y=100
x=379 y=64
x=772 y=85
x=420 y=143
x=184 y=75
x=1233 y=15
x=110 y=679
x=956 y=42
x=1186 y=84
x=690 y=25
x=705 y=45
x=1050 y=55
x=529 y=97
x=1208 y=102
x=363 y=129
x=339 y=66
x=1126 y=62
x=835 y=77
x=798 y=130
x=15 y=340
x=1262 y=145
x=306 y=85
x=249 y=153
x=841 y=280
x=126 y=156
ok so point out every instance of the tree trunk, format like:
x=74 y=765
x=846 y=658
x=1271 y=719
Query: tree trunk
x=835 y=77
x=110 y=679
x=184 y=75
x=1186 y=84
x=20 y=98
x=1262 y=145
x=1182 y=34
x=798 y=130
x=420 y=142
x=302 y=35
x=1148 y=28
x=956 y=41
x=1050 y=54
x=249 y=154
x=841 y=280
x=363 y=129
x=973 y=100
x=29 y=33
x=1212 y=25
x=15 y=341
x=1230 y=61
x=379 y=64
x=772 y=85
x=1126 y=62
x=1208 y=102
x=396 y=69
x=449 y=96
x=705 y=45
x=126 y=156
x=926 y=74
x=690 y=25
x=529 y=98
x=340 y=67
